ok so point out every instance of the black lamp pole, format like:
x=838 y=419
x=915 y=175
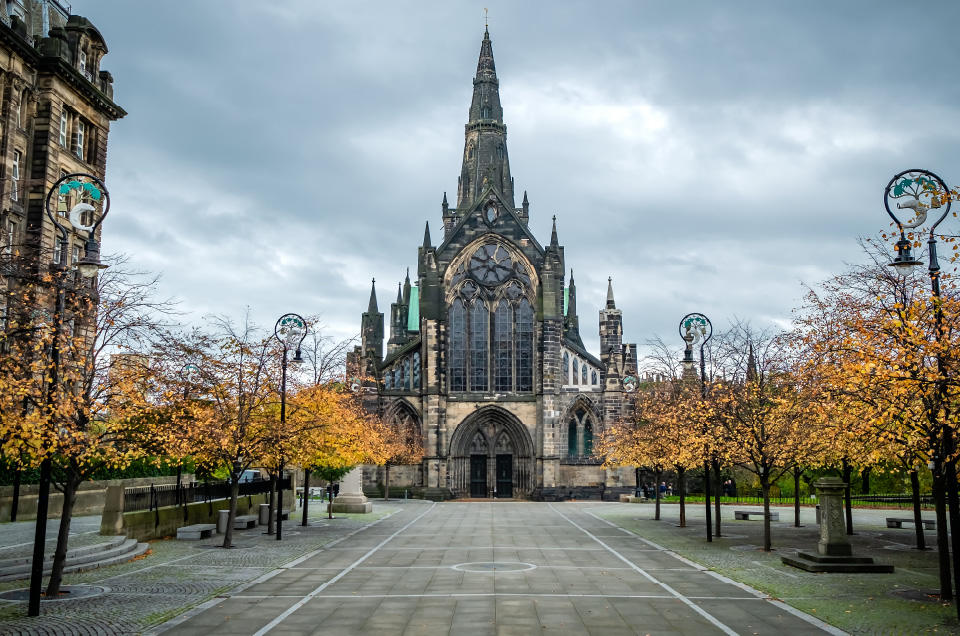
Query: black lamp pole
x=290 y=328
x=693 y=328
x=911 y=185
x=89 y=189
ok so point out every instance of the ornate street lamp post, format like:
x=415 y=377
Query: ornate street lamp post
x=697 y=328
x=921 y=192
x=290 y=330
x=90 y=194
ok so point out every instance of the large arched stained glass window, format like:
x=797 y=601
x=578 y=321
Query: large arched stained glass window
x=478 y=346
x=406 y=374
x=524 y=341
x=572 y=438
x=576 y=371
x=587 y=437
x=503 y=347
x=416 y=370
x=458 y=346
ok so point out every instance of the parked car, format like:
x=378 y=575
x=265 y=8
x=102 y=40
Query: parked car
x=250 y=475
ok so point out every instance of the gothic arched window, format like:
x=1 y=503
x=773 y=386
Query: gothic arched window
x=478 y=346
x=485 y=113
x=457 y=324
x=566 y=368
x=576 y=371
x=406 y=374
x=587 y=437
x=572 y=438
x=584 y=374
x=503 y=345
x=416 y=370
x=580 y=433
x=388 y=381
x=593 y=377
x=490 y=323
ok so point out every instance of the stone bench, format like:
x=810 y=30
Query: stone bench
x=245 y=522
x=196 y=531
x=897 y=522
x=744 y=515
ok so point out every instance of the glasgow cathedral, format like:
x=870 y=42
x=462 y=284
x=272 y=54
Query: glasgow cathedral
x=484 y=354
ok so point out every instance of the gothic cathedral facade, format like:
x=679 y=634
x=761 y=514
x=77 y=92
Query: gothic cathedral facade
x=484 y=355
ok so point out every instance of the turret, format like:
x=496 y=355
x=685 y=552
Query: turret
x=371 y=330
x=571 y=324
x=611 y=340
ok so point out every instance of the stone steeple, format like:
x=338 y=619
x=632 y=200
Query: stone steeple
x=485 y=149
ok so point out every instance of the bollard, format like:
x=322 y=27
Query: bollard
x=222 y=521
x=404 y=494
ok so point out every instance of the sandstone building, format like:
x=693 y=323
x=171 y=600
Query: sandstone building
x=56 y=106
x=484 y=354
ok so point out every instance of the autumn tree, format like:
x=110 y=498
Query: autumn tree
x=876 y=340
x=76 y=378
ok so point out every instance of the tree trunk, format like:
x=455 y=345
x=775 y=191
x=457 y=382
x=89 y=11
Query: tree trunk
x=915 y=491
x=765 y=489
x=953 y=506
x=232 y=517
x=330 y=500
x=718 y=490
x=943 y=539
x=63 y=535
x=865 y=481
x=306 y=494
x=658 y=474
x=846 y=496
x=386 y=482
x=796 y=496
x=681 y=475
x=271 y=518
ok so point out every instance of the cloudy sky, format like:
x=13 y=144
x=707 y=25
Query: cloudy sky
x=709 y=156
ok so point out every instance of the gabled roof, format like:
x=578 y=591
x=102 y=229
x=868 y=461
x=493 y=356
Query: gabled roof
x=573 y=346
x=402 y=351
x=473 y=215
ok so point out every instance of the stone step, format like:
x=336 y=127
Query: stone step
x=110 y=544
x=87 y=559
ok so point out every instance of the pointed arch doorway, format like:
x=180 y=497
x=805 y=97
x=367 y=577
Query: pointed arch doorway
x=491 y=455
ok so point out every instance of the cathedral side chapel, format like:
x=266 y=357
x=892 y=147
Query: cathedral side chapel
x=484 y=354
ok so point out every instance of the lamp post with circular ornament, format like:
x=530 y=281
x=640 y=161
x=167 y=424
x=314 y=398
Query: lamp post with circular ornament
x=920 y=192
x=290 y=330
x=92 y=204
x=697 y=328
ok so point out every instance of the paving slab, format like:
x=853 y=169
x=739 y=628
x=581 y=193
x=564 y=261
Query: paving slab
x=498 y=568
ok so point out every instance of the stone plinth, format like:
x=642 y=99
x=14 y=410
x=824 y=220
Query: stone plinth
x=834 y=553
x=351 y=498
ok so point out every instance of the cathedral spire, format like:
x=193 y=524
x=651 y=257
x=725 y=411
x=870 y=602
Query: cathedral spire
x=554 y=241
x=610 y=302
x=399 y=294
x=372 y=307
x=485 y=147
x=406 y=289
x=426 y=231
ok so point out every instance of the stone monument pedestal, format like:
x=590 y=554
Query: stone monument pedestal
x=351 y=498
x=834 y=553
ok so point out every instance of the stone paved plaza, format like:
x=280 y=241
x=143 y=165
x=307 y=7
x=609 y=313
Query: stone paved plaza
x=494 y=568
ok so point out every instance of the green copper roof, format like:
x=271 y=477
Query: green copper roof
x=566 y=299
x=413 y=316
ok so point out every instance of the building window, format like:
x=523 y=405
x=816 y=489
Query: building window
x=576 y=371
x=19 y=107
x=524 y=346
x=457 y=324
x=74 y=255
x=478 y=346
x=15 y=177
x=583 y=370
x=416 y=370
x=566 y=368
x=63 y=127
x=593 y=377
x=388 y=381
x=503 y=345
x=81 y=129
x=83 y=62
x=485 y=113
x=9 y=236
x=579 y=428
x=406 y=375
